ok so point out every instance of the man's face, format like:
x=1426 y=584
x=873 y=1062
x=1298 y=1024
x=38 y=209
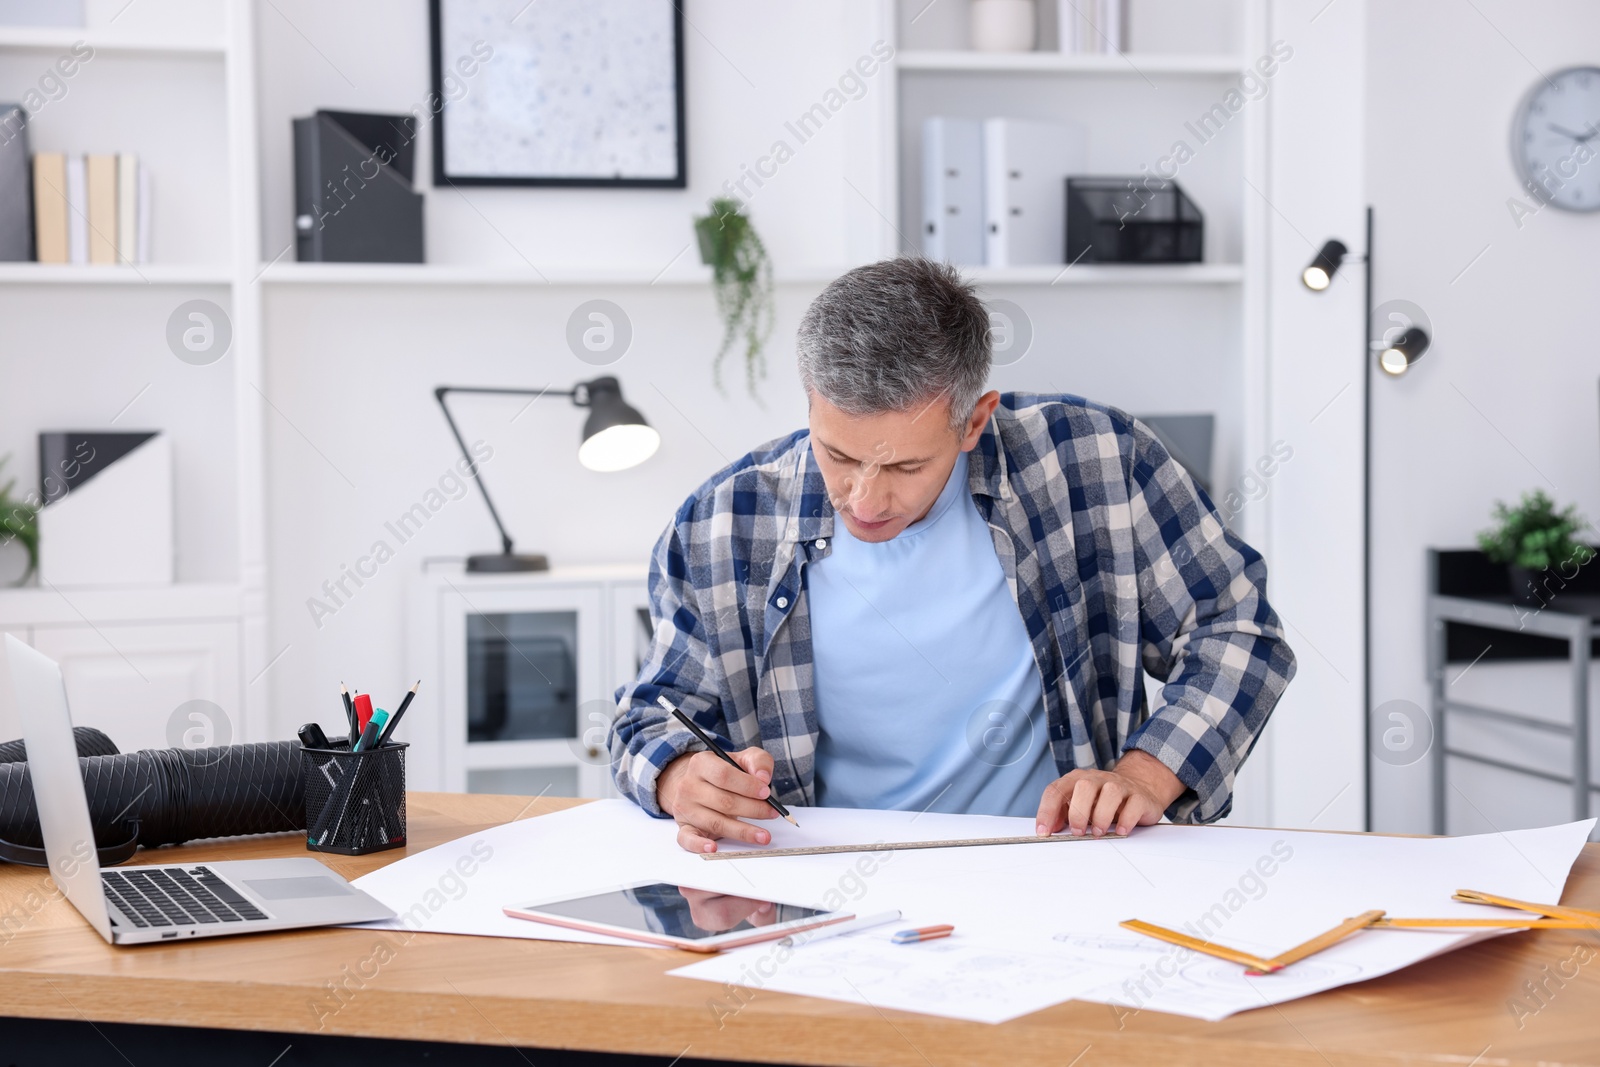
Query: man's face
x=885 y=471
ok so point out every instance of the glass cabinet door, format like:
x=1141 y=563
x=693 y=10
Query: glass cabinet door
x=522 y=675
x=523 y=658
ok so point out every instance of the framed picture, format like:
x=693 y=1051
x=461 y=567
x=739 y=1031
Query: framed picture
x=558 y=92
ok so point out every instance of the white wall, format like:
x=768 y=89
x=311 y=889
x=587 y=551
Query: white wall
x=1505 y=401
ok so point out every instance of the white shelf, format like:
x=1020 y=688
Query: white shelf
x=45 y=606
x=142 y=274
x=469 y=274
x=1110 y=274
x=1070 y=63
x=62 y=38
x=450 y=275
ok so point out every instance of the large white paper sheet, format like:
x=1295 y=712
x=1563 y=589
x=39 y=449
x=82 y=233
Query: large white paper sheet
x=1261 y=890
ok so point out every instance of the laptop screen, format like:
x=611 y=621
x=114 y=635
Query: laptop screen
x=41 y=706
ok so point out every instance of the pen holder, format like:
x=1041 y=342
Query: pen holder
x=355 y=801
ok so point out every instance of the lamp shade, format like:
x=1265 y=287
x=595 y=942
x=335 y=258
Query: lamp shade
x=1318 y=275
x=1397 y=357
x=615 y=436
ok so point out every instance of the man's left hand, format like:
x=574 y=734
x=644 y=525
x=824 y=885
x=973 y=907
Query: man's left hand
x=1134 y=793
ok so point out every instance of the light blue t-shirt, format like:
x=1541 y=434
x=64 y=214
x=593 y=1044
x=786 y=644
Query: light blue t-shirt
x=928 y=697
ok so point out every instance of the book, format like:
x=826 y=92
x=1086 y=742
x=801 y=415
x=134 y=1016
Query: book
x=50 y=240
x=16 y=198
x=1111 y=18
x=77 y=211
x=102 y=186
x=127 y=207
x=42 y=12
x=1067 y=25
x=1093 y=27
x=144 y=215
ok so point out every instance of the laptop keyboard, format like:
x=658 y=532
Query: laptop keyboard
x=176 y=896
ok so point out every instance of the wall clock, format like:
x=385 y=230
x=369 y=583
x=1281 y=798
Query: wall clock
x=1555 y=139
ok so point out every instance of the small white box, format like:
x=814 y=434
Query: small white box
x=114 y=527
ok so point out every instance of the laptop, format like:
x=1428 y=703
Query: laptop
x=135 y=905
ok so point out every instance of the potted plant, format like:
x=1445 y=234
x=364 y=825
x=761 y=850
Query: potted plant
x=19 y=521
x=1532 y=538
x=741 y=281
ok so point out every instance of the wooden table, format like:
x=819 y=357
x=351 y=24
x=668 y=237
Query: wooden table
x=304 y=985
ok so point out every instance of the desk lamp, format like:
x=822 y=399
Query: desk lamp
x=615 y=437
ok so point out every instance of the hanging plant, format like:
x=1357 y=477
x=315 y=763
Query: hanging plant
x=19 y=521
x=741 y=281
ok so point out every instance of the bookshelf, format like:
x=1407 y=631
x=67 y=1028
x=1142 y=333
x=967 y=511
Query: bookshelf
x=190 y=62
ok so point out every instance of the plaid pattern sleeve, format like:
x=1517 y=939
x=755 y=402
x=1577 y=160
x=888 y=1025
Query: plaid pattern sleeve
x=1206 y=631
x=645 y=738
x=730 y=645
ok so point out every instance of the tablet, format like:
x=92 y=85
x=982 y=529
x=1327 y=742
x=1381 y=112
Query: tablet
x=700 y=920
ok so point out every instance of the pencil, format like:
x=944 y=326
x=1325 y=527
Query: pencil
x=714 y=747
x=394 y=720
x=349 y=713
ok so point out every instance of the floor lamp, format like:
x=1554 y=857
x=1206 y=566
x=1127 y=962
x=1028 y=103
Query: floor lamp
x=1394 y=356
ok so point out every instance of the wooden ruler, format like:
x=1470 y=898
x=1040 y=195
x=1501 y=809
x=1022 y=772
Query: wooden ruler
x=897 y=846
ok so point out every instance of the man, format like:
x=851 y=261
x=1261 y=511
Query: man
x=941 y=598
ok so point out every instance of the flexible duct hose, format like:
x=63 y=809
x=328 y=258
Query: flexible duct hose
x=177 y=794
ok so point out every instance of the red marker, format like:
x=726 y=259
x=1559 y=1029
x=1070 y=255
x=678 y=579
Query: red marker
x=363 y=711
x=923 y=933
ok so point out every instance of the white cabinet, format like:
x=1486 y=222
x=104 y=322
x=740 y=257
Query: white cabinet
x=527 y=665
x=150 y=686
x=151 y=667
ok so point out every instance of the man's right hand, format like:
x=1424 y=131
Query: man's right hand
x=708 y=798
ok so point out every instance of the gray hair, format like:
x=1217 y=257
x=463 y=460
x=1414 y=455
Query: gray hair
x=894 y=335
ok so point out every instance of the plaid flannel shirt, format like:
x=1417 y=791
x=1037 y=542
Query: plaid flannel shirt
x=1116 y=561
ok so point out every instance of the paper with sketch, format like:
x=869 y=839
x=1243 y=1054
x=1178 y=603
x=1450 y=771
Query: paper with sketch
x=958 y=978
x=1262 y=890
